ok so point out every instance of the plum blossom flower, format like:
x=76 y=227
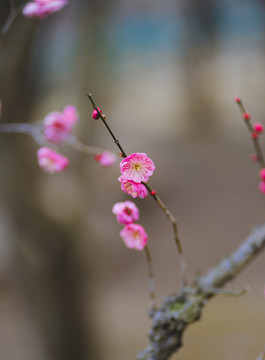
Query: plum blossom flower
x=262 y=174
x=106 y=158
x=70 y=115
x=58 y=126
x=43 y=8
x=137 y=167
x=51 y=161
x=127 y=212
x=132 y=188
x=134 y=236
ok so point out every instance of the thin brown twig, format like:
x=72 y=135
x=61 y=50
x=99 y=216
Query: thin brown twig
x=151 y=279
x=154 y=195
x=257 y=147
x=14 y=12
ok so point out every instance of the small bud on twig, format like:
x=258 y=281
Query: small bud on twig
x=254 y=157
x=259 y=128
x=95 y=113
x=246 y=116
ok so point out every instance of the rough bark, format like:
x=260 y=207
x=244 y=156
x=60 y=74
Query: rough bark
x=181 y=310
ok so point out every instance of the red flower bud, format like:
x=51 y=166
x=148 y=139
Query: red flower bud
x=95 y=114
x=254 y=157
x=246 y=116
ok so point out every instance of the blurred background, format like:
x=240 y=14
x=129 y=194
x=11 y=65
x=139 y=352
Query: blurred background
x=165 y=73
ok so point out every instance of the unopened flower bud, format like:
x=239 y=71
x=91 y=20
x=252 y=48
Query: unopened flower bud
x=254 y=157
x=246 y=116
x=259 y=128
x=95 y=113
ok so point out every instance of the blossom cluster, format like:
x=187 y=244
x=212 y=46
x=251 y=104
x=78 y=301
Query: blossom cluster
x=133 y=235
x=57 y=127
x=135 y=170
x=42 y=8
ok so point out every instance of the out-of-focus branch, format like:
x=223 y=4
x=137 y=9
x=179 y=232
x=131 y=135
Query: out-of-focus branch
x=33 y=130
x=262 y=355
x=179 y=311
x=14 y=12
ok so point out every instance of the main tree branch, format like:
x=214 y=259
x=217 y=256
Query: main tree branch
x=179 y=311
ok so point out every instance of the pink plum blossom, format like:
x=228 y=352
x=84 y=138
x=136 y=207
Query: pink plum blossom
x=132 y=188
x=134 y=236
x=137 y=167
x=127 y=212
x=262 y=174
x=51 y=161
x=106 y=158
x=58 y=126
x=43 y=8
x=70 y=115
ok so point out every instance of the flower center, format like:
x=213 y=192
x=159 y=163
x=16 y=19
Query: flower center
x=136 y=234
x=136 y=167
x=128 y=211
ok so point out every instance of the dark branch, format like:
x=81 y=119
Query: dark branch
x=179 y=311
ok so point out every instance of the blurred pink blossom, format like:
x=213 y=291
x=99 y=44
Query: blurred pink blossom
x=106 y=158
x=258 y=127
x=137 y=167
x=262 y=174
x=51 y=161
x=70 y=115
x=127 y=212
x=58 y=126
x=262 y=187
x=43 y=8
x=132 y=188
x=134 y=236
